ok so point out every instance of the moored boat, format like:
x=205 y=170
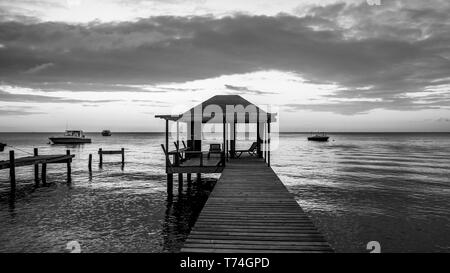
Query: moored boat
x=319 y=137
x=106 y=133
x=71 y=137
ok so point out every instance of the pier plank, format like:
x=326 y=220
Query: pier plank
x=33 y=160
x=250 y=210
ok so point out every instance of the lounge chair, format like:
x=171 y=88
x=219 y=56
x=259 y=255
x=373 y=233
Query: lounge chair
x=214 y=149
x=251 y=151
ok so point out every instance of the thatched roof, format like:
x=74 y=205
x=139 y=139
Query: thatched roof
x=215 y=109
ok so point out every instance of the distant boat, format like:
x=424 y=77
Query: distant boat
x=2 y=146
x=71 y=137
x=106 y=133
x=319 y=137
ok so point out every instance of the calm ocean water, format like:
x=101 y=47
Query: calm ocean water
x=390 y=188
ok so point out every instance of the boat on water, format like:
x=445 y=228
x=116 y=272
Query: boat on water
x=71 y=137
x=319 y=137
x=106 y=133
x=2 y=146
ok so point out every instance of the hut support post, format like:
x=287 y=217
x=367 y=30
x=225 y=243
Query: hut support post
x=258 y=135
x=180 y=182
x=12 y=171
x=233 y=140
x=268 y=144
x=36 y=168
x=123 y=155
x=169 y=175
x=178 y=135
x=265 y=142
x=189 y=178
x=170 y=184
x=224 y=141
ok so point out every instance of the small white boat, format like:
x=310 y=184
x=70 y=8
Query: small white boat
x=71 y=137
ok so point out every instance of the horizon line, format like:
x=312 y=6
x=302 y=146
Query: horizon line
x=283 y=132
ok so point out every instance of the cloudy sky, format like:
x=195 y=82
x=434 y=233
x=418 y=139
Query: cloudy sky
x=324 y=65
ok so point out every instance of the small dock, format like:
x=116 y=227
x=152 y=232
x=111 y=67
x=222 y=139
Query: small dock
x=250 y=210
x=35 y=160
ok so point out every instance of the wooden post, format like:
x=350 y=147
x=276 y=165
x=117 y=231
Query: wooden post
x=123 y=156
x=224 y=142
x=167 y=144
x=170 y=184
x=12 y=171
x=180 y=182
x=44 y=173
x=199 y=177
x=90 y=163
x=36 y=168
x=189 y=178
x=100 y=154
x=178 y=135
x=258 y=135
x=233 y=139
x=268 y=143
x=69 y=168
x=265 y=142
x=192 y=133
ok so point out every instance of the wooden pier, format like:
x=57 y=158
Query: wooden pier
x=250 y=210
x=102 y=152
x=35 y=160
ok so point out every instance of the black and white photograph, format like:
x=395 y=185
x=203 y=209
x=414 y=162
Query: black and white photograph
x=229 y=128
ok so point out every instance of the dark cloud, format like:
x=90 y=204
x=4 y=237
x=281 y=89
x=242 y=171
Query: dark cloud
x=391 y=49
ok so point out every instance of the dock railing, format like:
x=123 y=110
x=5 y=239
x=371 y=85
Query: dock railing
x=186 y=161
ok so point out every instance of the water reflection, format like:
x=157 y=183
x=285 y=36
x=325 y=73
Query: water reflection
x=390 y=188
x=182 y=211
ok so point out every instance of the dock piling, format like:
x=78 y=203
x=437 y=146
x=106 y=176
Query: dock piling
x=100 y=153
x=13 y=163
x=199 y=177
x=170 y=184
x=123 y=155
x=180 y=182
x=189 y=177
x=36 y=168
x=44 y=173
x=69 y=168
x=12 y=171
x=90 y=163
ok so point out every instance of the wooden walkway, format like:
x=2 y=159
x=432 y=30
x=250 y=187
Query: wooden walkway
x=250 y=210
